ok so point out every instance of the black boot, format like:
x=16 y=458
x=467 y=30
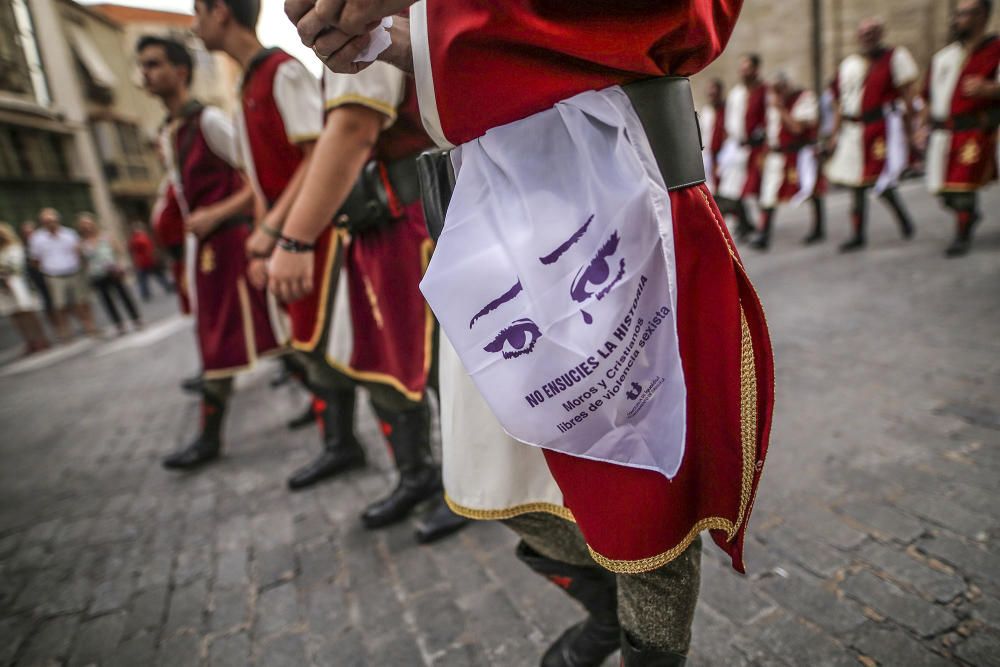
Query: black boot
x=906 y=228
x=341 y=449
x=438 y=522
x=208 y=445
x=419 y=479
x=818 y=233
x=966 y=222
x=743 y=227
x=307 y=418
x=633 y=656
x=590 y=642
x=859 y=221
x=193 y=384
x=763 y=239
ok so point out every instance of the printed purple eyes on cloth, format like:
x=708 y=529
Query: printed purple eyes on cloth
x=516 y=340
x=592 y=280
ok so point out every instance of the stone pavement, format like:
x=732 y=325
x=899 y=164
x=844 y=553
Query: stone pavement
x=875 y=538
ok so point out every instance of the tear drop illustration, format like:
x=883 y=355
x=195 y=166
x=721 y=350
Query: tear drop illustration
x=587 y=317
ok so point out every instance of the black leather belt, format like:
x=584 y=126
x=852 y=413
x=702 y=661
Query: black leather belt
x=868 y=117
x=791 y=148
x=665 y=108
x=987 y=119
x=367 y=205
x=229 y=223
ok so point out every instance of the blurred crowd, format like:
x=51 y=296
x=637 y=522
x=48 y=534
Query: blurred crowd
x=50 y=273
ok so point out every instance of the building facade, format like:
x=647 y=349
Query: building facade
x=47 y=157
x=77 y=132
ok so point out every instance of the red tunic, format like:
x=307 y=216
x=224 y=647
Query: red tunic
x=275 y=159
x=168 y=226
x=972 y=157
x=392 y=324
x=718 y=130
x=494 y=63
x=756 y=128
x=879 y=91
x=788 y=144
x=232 y=320
x=498 y=62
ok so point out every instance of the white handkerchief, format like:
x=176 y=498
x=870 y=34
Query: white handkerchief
x=380 y=41
x=552 y=280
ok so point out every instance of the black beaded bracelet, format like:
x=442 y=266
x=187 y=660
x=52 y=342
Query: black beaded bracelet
x=294 y=245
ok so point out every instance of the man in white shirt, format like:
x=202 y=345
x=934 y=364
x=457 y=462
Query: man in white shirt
x=55 y=249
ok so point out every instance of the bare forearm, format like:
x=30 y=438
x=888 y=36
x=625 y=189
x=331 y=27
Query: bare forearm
x=279 y=212
x=340 y=154
x=232 y=205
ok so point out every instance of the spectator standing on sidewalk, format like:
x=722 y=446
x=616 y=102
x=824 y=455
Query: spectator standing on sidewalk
x=34 y=275
x=102 y=255
x=16 y=299
x=145 y=261
x=56 y=249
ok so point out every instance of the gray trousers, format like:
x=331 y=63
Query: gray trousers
x=655 y=608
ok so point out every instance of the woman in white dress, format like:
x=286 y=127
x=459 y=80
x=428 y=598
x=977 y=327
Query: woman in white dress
x=16 y=299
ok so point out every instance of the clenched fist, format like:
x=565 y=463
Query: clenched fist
x=350 y=18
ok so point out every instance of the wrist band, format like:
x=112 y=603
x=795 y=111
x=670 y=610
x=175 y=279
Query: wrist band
x=270 y=231
x=294 y=245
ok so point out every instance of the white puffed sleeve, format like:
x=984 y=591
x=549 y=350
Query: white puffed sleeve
x=379 y=87
x=904 y=67
x=806 y=108
x=296 y=92
x=220 y=135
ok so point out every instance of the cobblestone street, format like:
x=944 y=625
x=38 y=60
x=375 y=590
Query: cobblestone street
x=875 y=537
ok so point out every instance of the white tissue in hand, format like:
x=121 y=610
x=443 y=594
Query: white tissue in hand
x=380 y=41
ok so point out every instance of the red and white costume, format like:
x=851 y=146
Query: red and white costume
x=791 y=168
x=742 y=156
x=485 y=65
x=280 y=110
x=960 y=157
x=168 y=227
x=231 y=315
x=381 y=329
x=712 y=119
x=872 y=149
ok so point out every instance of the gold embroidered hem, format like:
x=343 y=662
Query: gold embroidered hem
x=658 y=561
x=509 y=512
x=336 y=248
x=387 y=110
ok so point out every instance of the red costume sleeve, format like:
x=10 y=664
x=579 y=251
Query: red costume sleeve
x=497 y=62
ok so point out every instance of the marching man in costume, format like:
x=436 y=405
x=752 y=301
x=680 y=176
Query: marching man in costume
x=378 y=331
x=232 y=321
x=874 y=94
x=277 y=124
x=964 y=105
x=713 y=131
x=791 y=168
x=560 y=232
x=741 y=159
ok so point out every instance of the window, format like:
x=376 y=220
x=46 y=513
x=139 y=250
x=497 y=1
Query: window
x=122 y=150
x=15 y=76
x=94 y=70
x=30 y=153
